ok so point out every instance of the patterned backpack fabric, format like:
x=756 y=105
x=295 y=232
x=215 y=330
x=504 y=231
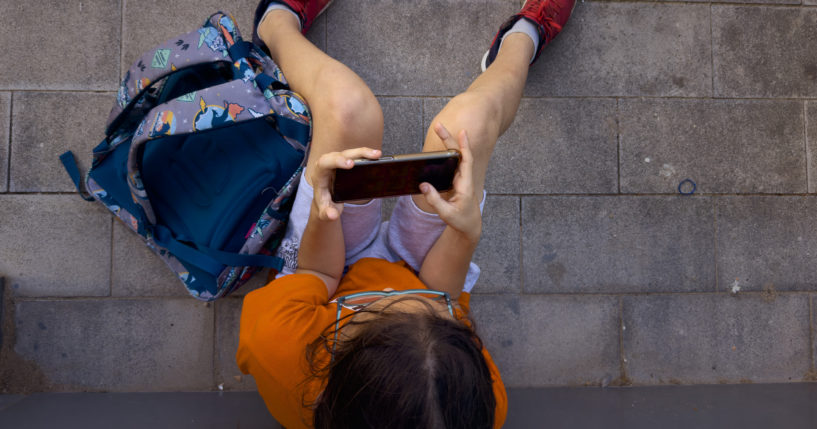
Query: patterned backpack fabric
x=203 y=152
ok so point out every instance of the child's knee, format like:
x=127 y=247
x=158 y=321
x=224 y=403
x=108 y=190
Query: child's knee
x=354 y=115
x=475 y=115
x=355 y=110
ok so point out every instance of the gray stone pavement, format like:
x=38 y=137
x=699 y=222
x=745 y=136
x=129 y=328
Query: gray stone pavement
x=595 y=270
x=758 y=406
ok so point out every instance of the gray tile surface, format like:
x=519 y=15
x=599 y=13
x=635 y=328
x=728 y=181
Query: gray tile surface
x=119 y=345
x=432 y=106
x=542 y=341
x=757 y=406
x=498 y=252
x=317 y=34
x=411 y=42
x=716 y=338
x=553 y=146
x=5 y=124
x=137 y=271
x=148 y=23
x=668 y=407
x=812 y=309
x=228 y=320
x=183 y=410
x=54 y=245
x=764 y=243
x=7 y=401
x=724 y=146
x=75 y=46
x=617 y=245
x=786 y=67
x=403 y=130
x=3 y=294
x=811 y=144
x=46 y=124
x=623 y=48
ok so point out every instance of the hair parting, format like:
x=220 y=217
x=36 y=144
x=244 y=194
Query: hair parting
x=401 y=370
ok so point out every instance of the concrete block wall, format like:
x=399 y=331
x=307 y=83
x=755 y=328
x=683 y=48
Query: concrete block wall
x=595 y=270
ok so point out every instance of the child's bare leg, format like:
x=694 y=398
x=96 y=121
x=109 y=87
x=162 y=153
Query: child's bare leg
x=345 y=112
x=486 y=109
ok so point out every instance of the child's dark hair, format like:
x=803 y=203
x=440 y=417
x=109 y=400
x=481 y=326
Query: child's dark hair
x=404 y=370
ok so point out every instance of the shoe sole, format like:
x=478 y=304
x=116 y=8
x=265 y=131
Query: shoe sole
x=485 y=60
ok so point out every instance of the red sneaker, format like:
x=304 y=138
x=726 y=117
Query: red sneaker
x=549 y=16
x=307 y=10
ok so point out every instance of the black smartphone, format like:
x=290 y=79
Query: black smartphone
x=394 y=175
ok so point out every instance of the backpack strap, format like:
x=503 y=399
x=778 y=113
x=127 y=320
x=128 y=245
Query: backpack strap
x=210 y=260
x=70 y=165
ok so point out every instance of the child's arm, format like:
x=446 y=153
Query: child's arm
x=446 y=264
x=322 y=252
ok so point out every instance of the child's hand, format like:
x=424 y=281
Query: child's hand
x=321 y=178
x=461 y=210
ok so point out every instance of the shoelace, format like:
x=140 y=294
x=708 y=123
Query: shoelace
x=545 y=16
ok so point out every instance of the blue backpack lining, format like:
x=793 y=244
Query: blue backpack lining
x=112 y=176
x=197 y=181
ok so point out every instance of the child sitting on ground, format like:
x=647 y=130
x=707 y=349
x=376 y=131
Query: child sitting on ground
x=367 y=325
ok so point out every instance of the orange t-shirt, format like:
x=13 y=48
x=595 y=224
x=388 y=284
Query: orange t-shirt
x=279 y=320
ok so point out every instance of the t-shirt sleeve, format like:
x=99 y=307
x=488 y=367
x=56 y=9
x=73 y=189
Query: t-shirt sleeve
x=278 y=319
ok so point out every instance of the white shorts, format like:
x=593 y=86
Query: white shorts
x=407 y=236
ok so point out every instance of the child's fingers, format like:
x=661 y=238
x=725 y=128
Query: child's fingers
x=465 y=148
x=345 y=159
x=466 y=168
x=332 y=213
x=441 y=131
x=361 y=152
x=333 y=160
x=445 y=136
x=329 y=212
x=440 y=205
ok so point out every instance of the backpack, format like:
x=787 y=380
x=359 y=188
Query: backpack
x=202 y=154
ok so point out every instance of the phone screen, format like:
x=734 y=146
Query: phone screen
x=400 y=175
